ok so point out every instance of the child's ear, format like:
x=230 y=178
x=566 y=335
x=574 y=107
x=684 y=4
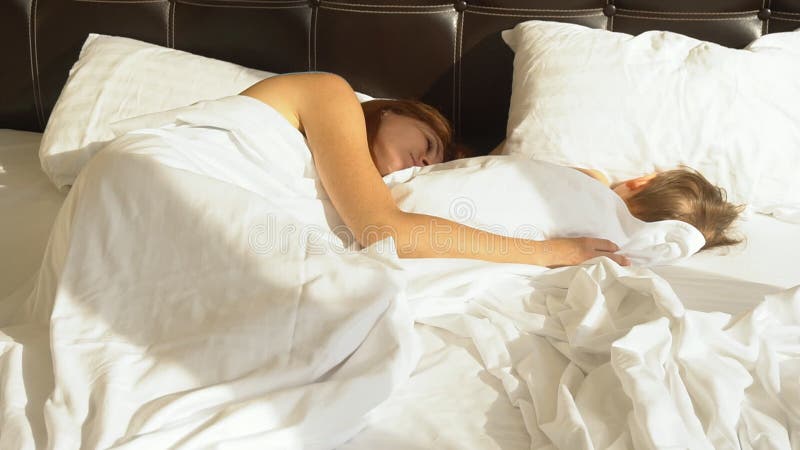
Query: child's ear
x=639 y=183
x=633 y=184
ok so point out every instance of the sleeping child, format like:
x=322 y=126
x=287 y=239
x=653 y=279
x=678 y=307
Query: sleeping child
x=679 y=194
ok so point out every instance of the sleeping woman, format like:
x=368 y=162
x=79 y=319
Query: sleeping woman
x=354 y=145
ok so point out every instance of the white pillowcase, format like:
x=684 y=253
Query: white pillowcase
x=519 y=197
x=630 y=105
x=117 y=78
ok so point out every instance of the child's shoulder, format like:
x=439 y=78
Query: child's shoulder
x=596 y=174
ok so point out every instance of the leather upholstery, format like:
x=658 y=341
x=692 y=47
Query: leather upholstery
x=446 y=53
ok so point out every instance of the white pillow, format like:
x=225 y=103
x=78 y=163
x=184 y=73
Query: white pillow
x=630 y=105
x=519 y=197
x=117 y=78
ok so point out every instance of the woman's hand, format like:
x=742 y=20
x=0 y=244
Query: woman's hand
x=571 y=251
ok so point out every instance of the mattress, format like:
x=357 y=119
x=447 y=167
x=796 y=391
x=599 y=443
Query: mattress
x=450 y=401
x=766 y=256
x=28 y=206
x=727 y=279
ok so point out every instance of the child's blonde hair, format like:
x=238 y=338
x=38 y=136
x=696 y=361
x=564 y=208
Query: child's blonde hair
x=685 y=194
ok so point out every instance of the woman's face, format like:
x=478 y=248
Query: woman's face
x=402 y=142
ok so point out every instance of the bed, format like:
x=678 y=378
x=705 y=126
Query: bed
x=454 y=386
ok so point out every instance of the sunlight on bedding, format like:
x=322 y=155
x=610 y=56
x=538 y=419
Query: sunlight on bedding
x=194 y=282
x=163 y=276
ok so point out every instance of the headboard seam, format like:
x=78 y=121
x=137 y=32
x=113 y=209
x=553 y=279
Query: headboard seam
x=460 y=34
x=384 y=12
x=34 y=52
x=387 y=6
x=212 y=5
x=686 y=19
x=171 y=25
x=532 y=10
x=120 y=1
x=315 y=19
x=542 y=16
x=690 y=13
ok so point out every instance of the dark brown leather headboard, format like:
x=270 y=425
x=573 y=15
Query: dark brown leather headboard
x=448 y=54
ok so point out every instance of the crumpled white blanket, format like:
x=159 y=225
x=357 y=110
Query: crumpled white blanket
x=599 y=356
x=193 y=295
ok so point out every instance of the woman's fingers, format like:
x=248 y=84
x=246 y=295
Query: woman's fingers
x=604 y=247
x=594 y=247
x=571 y=251
x=619 y=259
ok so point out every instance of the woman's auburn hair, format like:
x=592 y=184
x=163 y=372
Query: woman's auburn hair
x=415 y=109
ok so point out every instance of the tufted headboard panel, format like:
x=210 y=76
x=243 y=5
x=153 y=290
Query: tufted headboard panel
x=448 y=54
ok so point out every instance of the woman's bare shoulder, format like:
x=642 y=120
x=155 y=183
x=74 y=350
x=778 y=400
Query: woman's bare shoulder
x=327 y=110
x=287 y=92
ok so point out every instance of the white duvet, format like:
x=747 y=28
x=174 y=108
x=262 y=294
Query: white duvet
x=195 y=293
x=191 y=296
x=599 y=356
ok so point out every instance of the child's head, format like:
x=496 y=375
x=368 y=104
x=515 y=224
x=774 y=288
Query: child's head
x=686 y=195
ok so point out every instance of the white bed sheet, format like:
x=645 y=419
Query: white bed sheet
x=450 y=400
x=727 y=279
x=767 y=256
x=28 y=206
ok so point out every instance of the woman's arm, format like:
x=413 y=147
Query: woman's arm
x=426 y=236
x=325 y=108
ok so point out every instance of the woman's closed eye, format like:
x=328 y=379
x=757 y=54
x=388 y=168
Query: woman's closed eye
x=432 y=151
